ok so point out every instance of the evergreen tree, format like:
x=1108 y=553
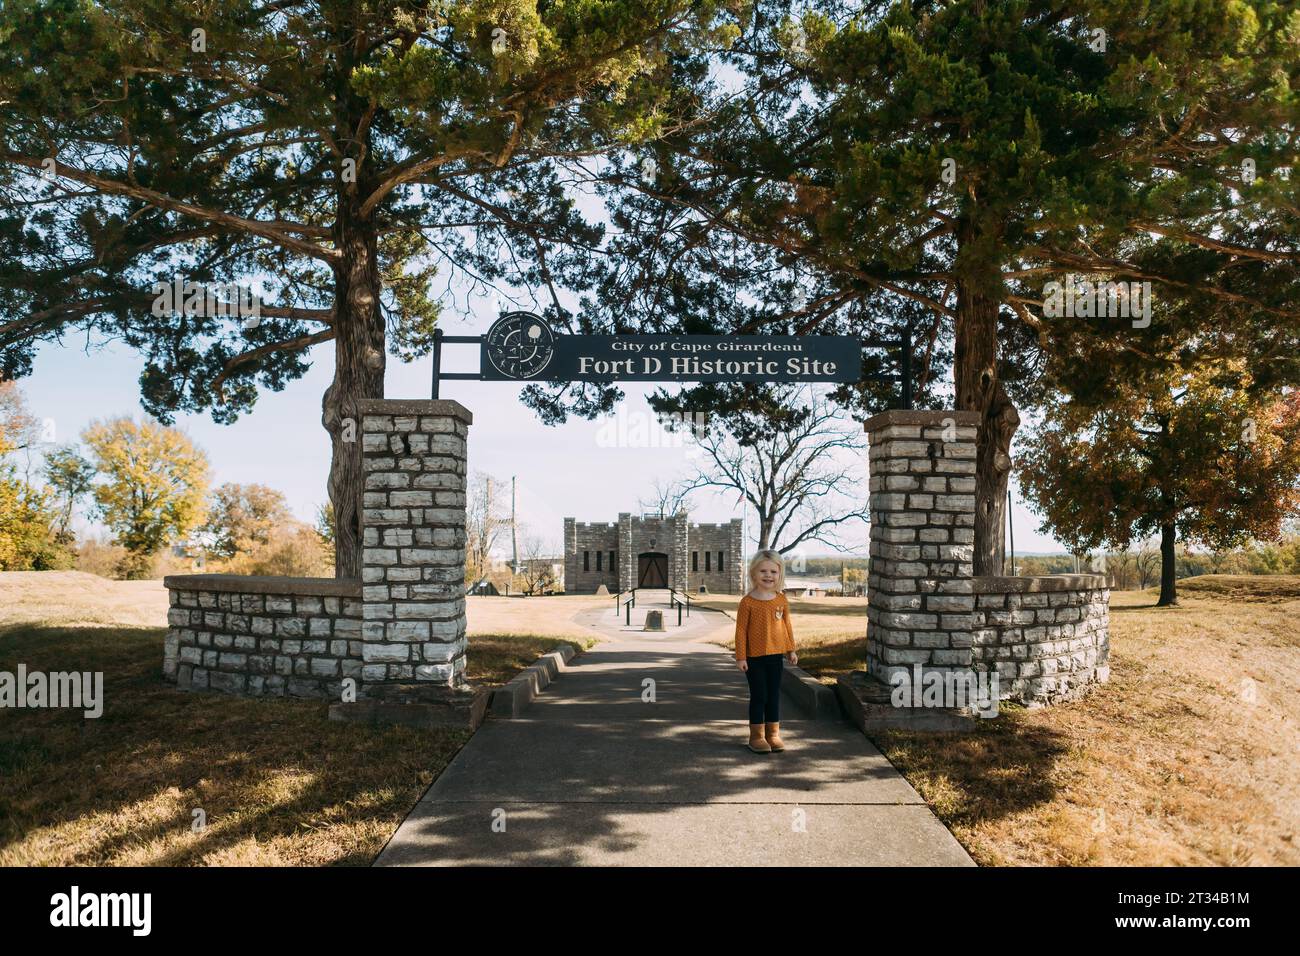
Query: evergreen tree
x=336 y=151
x=962 y=154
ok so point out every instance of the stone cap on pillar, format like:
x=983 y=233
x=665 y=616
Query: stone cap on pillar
x=443 y=407
x=921 y=416
x=1037 y=583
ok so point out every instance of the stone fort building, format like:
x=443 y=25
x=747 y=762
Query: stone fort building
x=653 y=551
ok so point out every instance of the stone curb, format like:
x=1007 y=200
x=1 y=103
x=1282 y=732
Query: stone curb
x=873 y=718
x=513 y=697
x=817 y=699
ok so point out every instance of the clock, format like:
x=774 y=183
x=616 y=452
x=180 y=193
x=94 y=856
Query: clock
x=519 y=345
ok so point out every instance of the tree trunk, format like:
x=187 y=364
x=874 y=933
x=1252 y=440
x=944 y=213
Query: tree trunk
x=980 y=390
x=358 y=373
x=1168 y=568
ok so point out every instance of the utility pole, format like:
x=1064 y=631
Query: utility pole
x=514 y=530
x=489 y=530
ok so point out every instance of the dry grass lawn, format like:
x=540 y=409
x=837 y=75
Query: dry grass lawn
x=278 y=783
x=550 y=616
x=1190 y=755
x=76 y=597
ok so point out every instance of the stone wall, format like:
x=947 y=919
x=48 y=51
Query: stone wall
x=263 y=635
x=1047 y=637
x=399 y=631
x=591 y=538
x=715 y=539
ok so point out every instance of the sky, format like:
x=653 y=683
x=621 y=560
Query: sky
x=589 y=470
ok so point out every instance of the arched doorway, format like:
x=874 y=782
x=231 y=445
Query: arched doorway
x=652 y=569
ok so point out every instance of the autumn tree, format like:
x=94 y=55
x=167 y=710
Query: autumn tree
x=324 y=527
x=242 y=518
x=1196 y=457
x=29 y=539
x=331 y=155
x=152 y=485
x=23 y=431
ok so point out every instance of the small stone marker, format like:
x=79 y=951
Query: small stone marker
x=654 y=621
x=603 y=590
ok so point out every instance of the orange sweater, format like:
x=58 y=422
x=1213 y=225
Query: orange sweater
x=763 y=627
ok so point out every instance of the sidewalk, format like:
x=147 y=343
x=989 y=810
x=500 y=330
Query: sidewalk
x=595 y=775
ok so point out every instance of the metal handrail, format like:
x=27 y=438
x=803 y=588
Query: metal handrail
x=629 y=604
x=675 y=600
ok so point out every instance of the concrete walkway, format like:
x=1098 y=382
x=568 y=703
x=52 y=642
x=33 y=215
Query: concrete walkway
x=596 y=773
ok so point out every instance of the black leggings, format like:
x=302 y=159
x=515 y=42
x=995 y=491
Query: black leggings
x=764 y=676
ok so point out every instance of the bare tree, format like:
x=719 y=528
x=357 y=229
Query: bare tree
x=485 y=520
x=666 y=499
x=1122 y=565
x=1148 y=566
x=805 y=482
x=537 y=570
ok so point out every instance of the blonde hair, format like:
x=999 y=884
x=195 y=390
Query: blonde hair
x=767 y=554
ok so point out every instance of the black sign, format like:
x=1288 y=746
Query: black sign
x=521 y=346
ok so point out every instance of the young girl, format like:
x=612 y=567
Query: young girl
x=763 y=636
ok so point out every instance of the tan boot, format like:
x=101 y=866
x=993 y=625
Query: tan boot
x=757 y=742
x=774 y=740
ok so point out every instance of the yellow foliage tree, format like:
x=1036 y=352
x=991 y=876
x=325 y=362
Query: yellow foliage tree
x=154 y=488
x=28 y=540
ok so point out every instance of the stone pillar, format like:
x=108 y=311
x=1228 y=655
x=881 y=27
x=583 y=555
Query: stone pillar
x=922 y=502
x=413 y=540
x=626 y=552
x=737 y=571
x=570 y=555
x=679 y=561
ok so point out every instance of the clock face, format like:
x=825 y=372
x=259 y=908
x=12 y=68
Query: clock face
x=520 y=345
